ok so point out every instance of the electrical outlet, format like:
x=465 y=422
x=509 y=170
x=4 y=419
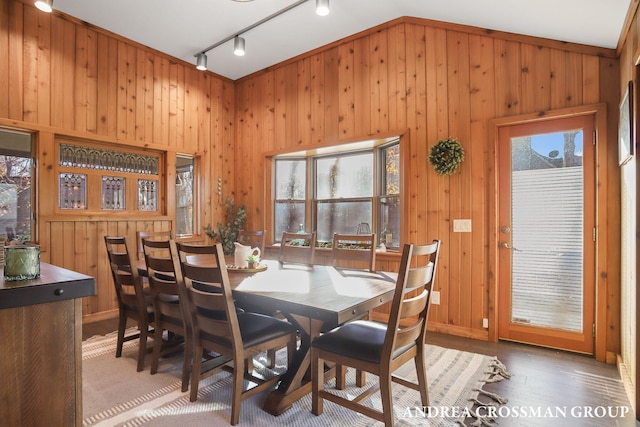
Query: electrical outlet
x=435 y=297
x=485 y=323
x=462 y=226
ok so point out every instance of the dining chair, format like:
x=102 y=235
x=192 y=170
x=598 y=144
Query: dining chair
x=168 y=296
x=383 y=348
x=134 y=300
x=354 y=251
x=218 y=327
x=297 y=248
x=350 y=248
x=254 y=238
x=152 y=235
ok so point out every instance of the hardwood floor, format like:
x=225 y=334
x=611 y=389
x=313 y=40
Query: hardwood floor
x=544 y=383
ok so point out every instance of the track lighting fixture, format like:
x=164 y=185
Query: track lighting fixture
x=238 y=46
x=44 y=5
x=322 y=7
x=201 y=61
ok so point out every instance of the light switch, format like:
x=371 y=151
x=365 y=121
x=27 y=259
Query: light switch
x=435 y=297
x=462 y=226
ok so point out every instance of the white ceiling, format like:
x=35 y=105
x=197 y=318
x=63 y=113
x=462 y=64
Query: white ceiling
x=182 y=28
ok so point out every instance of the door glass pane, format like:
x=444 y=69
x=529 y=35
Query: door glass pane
x=547 y=230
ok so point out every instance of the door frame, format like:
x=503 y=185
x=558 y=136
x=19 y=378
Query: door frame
x=600 y=128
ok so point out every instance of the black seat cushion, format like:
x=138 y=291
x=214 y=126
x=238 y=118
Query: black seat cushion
x=256 y=328
x=360 y=340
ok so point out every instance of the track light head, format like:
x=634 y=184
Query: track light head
x=322 y=7
x=201 y=61
x=238 y=46
x=44 y=5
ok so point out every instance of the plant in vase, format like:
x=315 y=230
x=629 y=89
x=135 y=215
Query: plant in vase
x=254 y=261
x=227 y=233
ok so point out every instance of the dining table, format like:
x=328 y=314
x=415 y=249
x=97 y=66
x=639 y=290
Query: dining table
x=314 y=299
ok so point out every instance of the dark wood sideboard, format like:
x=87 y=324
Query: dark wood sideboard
x=41 y=348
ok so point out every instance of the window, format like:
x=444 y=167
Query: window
x=340 y=191
x=16 y=194
x=343 y=194
x=185 y=211
x=291 y=192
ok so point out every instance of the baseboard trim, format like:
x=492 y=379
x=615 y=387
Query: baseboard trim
x=97 y=317
x=628 y=383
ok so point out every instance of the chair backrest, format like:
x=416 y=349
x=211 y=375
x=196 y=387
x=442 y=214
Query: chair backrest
x=409 y=313
x=298 y=248
x=152 y=235
x=189 y=253
x=255 y=239
x=126 y=279
x=161 y=259
x=354 y=247
x=212 y=313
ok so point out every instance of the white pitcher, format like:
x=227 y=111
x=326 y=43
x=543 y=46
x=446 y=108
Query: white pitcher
x=241 y=254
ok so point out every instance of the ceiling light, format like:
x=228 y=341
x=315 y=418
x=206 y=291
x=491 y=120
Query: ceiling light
x=238 y=46
x=44 y=5
x=201 y=61
x=322 y=7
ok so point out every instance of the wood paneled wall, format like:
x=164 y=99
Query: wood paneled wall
x=60 y=77
x=434 y=80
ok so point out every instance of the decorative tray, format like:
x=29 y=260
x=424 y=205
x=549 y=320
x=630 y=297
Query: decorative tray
x=231 y=267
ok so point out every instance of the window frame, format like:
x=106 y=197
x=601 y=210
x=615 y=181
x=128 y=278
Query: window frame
x=375 y=145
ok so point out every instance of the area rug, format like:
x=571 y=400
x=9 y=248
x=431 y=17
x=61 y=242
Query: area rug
x=114 y=394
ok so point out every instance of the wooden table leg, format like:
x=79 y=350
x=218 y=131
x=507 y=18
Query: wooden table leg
x=296 y=382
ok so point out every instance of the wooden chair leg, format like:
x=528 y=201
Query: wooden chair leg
x=421 y=372
x=186 y=362
x=387 y=400
x=341 y=377
x=317 y=383
x=142 y=346
x=157 y=343
x=271 y=356
x=236 y=398
x=122 y=325
x=361 y=378
x=195 y=373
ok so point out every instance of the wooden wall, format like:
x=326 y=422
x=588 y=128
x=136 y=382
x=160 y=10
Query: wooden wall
x=60 y=77
x=434 y=80
x=629 y=49
x=64 y=78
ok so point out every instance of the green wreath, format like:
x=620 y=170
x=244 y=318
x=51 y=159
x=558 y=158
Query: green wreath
x=446 y=155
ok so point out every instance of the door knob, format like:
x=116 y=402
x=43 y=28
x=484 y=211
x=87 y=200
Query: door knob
x=505 y=229
x=504 y=245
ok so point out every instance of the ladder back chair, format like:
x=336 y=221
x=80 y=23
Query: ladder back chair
x=151 y=235
x=354 y=251
x=360 y=248
x=255 y=238
x=298 y=248
x=235 y=336
x=168 y=302
x=134 y=301
x=382 y=348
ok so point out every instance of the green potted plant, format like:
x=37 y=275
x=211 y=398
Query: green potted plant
x=227 y=233
x=254 y=261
